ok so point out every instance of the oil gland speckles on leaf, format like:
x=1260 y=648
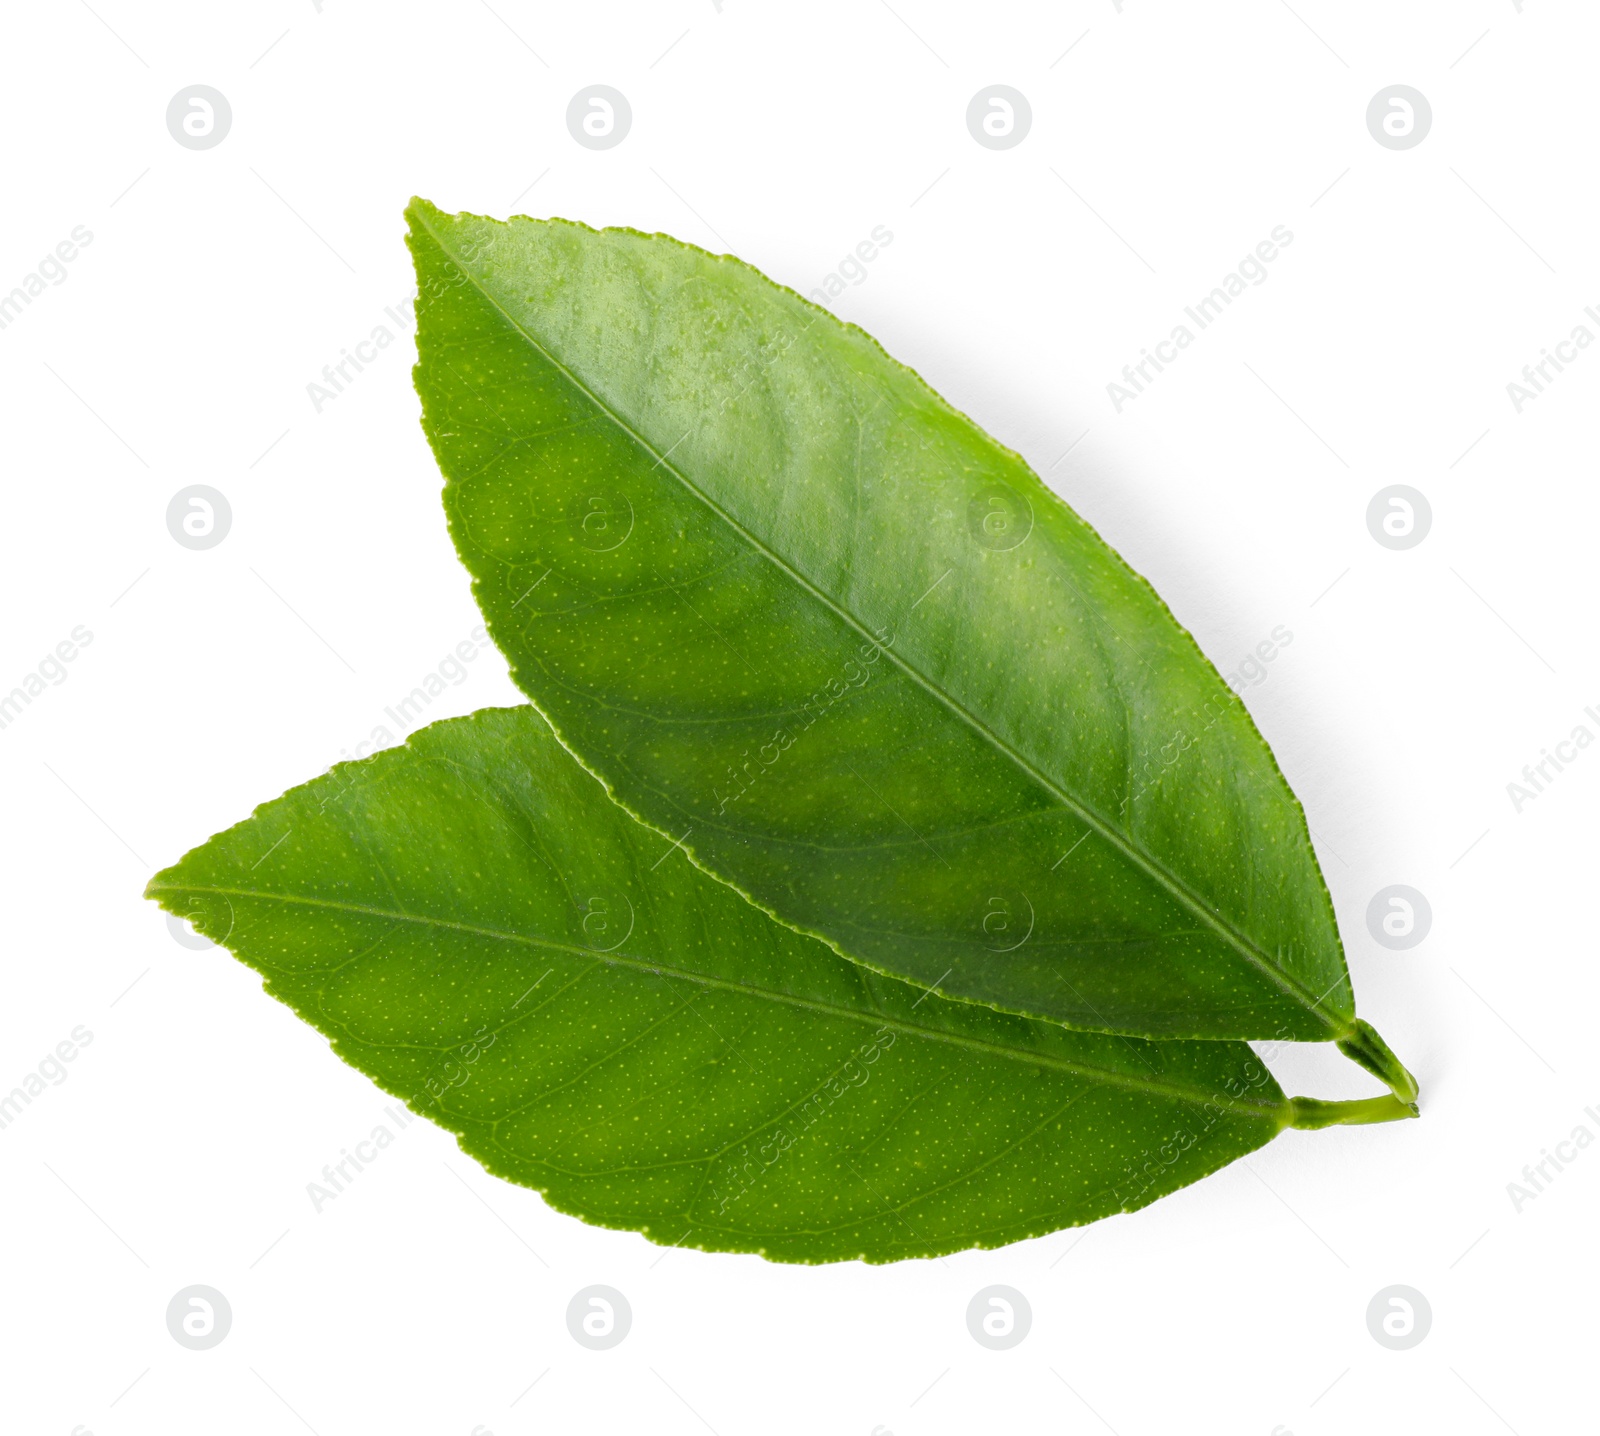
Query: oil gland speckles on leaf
x=714 y=1079
x=934 y=882
x=795 y=492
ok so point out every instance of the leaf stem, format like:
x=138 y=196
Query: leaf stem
x=1363 y=1046
x=1308 y=1113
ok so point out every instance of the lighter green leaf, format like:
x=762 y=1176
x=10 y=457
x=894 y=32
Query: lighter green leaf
x=803 y=616
x=479 y=929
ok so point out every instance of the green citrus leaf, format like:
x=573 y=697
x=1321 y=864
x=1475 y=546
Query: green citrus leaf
x=800 y=614
x=480 y=930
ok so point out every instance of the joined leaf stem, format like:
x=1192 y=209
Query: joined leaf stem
x=1363 y=1046
x=1308 y=1113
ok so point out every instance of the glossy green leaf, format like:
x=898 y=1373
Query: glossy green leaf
x=808 y=621
x=479 y=929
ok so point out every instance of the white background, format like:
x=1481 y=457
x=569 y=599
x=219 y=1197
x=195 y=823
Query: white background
x=1166 y=144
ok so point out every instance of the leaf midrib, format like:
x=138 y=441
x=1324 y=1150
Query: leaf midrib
x=1252 y=953
x=1087 y=1070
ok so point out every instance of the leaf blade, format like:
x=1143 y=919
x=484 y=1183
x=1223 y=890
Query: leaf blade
x=709 y=1077
x=550 y=353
